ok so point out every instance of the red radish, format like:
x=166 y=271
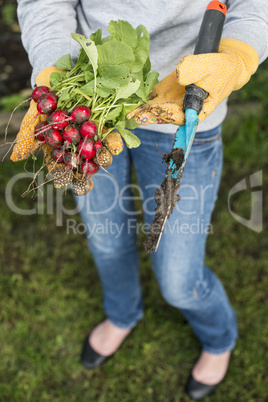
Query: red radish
x=59 y=119
x=73 y=160
x=88 y=129
x=86 y=148
x=98 y=144
x=38 y=91
x=39 y=130
x=53 y=138
x=89 y=168
x=47 y=103
x=58 y=155
x=80 y=114
x=71 y=134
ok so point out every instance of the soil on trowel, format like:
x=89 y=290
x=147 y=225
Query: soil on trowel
x=166 y=198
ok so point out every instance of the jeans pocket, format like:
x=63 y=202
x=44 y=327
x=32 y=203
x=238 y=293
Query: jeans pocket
x=205 y=156
x=207 y=146
x=206 y=141
x=209 y=137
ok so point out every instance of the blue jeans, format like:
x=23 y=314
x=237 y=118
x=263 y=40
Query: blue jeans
x=184 y=280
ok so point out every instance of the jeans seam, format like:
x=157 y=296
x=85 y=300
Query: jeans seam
x=228 y=316
x=222 y=350
x=131 y=325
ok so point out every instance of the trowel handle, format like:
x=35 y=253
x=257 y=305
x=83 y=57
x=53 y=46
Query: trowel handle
x=207 y=42
x=211 y=28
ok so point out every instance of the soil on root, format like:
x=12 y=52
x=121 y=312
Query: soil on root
x=166 y=198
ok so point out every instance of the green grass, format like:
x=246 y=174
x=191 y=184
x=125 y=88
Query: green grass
x=51 y=296
x=8 y=13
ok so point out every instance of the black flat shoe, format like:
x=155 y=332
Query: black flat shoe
x=90 y=358
x=197 y=390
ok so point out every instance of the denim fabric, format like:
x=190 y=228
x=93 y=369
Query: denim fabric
x=184 y=280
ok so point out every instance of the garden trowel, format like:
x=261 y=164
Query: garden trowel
x=166 y=196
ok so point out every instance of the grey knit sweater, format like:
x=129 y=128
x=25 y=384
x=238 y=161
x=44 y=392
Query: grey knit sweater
x=173 y=26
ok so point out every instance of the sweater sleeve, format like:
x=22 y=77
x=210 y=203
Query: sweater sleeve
x=247 y=21
x=46 y=27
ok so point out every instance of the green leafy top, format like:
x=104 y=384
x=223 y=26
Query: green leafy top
x=111 y=76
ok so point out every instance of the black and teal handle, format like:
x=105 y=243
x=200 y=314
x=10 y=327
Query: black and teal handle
x=207 y=42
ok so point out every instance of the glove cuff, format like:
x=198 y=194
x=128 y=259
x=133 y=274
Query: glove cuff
x=43 y=77
x=242 y=49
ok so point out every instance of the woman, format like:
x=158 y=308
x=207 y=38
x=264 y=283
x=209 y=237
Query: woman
x=184 y=280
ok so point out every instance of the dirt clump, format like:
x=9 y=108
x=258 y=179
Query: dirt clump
x=165 y=197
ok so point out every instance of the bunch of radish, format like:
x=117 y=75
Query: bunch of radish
x=73 y=136
x=86 y=112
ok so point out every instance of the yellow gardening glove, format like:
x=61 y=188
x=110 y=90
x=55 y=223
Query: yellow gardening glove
x=164 y=105
x=217 y=73
x=25 y=140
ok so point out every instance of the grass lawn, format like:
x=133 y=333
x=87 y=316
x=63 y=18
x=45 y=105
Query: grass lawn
x=51 y=296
